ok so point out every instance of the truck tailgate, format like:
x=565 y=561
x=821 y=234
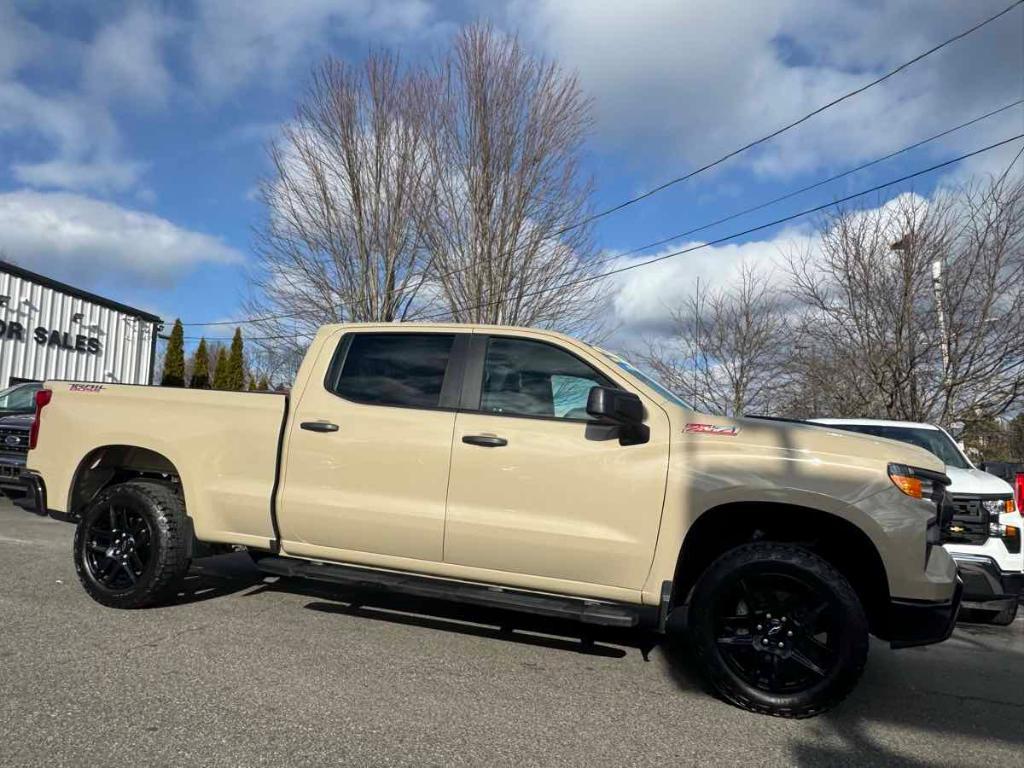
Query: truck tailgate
x=223 y=445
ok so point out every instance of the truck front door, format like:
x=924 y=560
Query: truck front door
x=369 y=448
x=537 y=487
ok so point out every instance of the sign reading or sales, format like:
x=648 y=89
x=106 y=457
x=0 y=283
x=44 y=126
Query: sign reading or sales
x=11 y=330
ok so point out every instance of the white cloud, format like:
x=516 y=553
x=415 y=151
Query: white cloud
x=75 y=126
x=642 y=299
x=20 y=41
x=125 y=62
x=694 y=80
x=76 y=237
x=237 y=42
x=101 y=175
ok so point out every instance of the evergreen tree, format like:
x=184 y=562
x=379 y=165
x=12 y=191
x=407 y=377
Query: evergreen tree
x=264 y=385
x=221 y=379
x=200 y=367
x=174 y=358
x=236 y=363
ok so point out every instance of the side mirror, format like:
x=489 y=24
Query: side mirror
x=616 y=406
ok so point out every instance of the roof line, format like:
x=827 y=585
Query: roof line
x=35 y=277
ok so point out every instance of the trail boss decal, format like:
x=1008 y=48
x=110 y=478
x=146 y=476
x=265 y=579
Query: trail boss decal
x=85 y=387
x=711 y=429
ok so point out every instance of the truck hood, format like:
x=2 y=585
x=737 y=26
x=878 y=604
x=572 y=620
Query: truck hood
x=821 y=440
x=974 y=481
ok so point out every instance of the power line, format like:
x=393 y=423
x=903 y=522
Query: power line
x=1013 y=162
x=701 y=228
x=783 y=129
x=723 y=158
x=727 y=238
x=815 y=185
x=718 y=241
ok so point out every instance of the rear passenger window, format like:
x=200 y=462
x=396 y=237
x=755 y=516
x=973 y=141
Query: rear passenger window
x=395 y=369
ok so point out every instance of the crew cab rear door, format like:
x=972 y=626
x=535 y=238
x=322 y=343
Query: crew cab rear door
x=537 y=487
x=369 y=448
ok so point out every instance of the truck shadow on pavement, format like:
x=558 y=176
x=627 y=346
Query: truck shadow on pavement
x=967 y=690
x=217 y=576
x=476 y=621
x=945 y=700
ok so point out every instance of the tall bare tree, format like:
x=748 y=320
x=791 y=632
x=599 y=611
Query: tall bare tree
x=912 y=311
x=506 y=192
x=727 y=352
x=339 y=241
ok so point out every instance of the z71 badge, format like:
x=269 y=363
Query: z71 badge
x=712 y=429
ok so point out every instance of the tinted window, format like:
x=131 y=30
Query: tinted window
x=19 y=398
x=931 y=440
x=395 y=369
x=528 y=378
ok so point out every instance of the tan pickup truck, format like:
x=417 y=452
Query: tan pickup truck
x=525 y=470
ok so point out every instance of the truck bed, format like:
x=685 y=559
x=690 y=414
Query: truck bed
x=224 y=446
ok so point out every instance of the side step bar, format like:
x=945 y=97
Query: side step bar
x=586 y=611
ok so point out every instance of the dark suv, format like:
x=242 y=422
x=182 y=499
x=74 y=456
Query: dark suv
x=17 y=406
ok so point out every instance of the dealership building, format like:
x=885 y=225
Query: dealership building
x=50 y=330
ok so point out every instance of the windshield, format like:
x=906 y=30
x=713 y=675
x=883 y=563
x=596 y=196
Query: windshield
x=934 y=440
x=650 y=381
x=21 y=398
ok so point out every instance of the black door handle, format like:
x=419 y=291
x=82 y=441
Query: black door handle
x=319 y=426
x=485 y=441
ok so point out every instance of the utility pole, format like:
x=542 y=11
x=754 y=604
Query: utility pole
x=941 y=312
x=904 y=244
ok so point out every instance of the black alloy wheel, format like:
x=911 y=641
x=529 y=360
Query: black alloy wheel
x=133 y=544
x=778 y=630
x=118 y=548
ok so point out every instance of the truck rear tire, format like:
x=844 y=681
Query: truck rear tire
x=132 y=544
x=778 y=630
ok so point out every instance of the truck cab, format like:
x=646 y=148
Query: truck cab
x=985 y=534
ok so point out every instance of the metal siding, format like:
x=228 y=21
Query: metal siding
x=126 y=346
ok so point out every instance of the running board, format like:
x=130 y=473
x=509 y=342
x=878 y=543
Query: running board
x=586 y=611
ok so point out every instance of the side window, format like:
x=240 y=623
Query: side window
x=528 y=378
x=395 y=368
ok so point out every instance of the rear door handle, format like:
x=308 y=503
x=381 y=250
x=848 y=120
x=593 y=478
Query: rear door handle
x=485 y=441
x=319 y=426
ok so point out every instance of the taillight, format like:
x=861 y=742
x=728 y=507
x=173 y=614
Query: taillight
x=1018 y=491
x=43 y=397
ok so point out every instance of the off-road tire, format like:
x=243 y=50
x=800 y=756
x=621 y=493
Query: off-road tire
x=795 y=561
x=164 y=510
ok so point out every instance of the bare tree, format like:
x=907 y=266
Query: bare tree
x=339 y=242
x=727 y=351
x=911 y=311
x=507 y=194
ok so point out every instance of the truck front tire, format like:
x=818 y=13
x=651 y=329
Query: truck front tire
x=778 y=630
x=132 y=544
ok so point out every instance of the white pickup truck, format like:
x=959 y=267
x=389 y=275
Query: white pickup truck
x=985 y=535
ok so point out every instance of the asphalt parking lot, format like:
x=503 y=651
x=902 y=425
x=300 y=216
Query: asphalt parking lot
x=242 y=671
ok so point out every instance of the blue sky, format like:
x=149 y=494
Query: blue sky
x=132 y=135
